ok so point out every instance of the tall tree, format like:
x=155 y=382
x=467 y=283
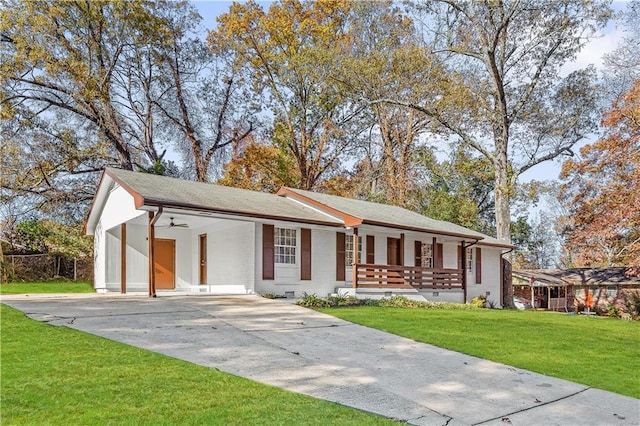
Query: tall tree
x=207 y=107
x=260 y=167
x=502 y=92
x=63 y=58
x=290 y=50
x=601 y=192
x=380 y=58
x=457 y=189
x=622 y=64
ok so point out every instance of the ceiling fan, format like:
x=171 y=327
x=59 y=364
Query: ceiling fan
x=172 y=224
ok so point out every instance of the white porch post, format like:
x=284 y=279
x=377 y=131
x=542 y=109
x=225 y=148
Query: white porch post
x=123 y=258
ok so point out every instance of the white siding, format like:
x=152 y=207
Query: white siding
x=287 y=277
x=112 y=246
x=490 y=275
x=99 y=258
x=118 y=209
x=230 y=253
x=137 y=258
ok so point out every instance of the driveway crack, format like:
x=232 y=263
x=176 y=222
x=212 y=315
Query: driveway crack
x=533 y=407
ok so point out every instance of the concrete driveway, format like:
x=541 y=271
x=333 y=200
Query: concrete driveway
x=287 y=346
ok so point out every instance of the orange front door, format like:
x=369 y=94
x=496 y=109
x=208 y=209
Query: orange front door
x=165 y=264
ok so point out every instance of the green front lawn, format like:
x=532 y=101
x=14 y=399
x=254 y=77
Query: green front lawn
x=46 y=287
x=599 y=352
x=56 y=375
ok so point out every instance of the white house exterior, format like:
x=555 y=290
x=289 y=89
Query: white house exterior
x=204 y=238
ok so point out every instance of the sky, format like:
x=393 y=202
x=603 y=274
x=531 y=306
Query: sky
x=593 y=53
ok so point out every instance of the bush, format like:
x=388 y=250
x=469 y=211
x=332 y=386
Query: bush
x=633 y=304
x=312 y=301
x=613 y=311
x=342 y=300
x=479 y=301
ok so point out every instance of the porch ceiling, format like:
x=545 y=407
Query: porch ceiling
x=193 y=221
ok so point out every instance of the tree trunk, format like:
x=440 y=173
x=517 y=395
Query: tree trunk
x=502 y=193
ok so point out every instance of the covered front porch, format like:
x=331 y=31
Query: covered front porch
x=414 y=264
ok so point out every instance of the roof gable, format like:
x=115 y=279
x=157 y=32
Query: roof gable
x=151 y=191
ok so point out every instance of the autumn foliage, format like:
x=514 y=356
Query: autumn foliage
x=602 y=193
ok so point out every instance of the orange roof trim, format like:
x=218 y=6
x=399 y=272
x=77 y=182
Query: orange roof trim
x=348 y=219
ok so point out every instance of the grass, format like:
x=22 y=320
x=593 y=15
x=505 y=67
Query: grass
x=598 y=352
x=56 y=375
x=46 y=287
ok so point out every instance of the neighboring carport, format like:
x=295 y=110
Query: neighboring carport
x=546 y=291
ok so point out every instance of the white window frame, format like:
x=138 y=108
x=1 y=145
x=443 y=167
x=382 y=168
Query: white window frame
x=348 y=250
x=285 y=246
x=426 y=256
x=470 y=259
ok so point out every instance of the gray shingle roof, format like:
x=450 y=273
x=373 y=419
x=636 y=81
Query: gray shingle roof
x=376 y=213
x=170 y=192
x=167 y=191
x=578 y=276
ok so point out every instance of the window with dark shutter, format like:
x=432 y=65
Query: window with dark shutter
x=305 y=254
x=371 y=249
x=340 y=256
x=268 y=252
x=439 y=256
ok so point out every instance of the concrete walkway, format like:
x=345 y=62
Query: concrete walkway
x=284 y=345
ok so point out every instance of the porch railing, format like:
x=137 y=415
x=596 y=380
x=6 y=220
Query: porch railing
x=381 y=276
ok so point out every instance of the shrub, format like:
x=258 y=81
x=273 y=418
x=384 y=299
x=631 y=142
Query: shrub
x=312 y=301
x=633 y=304
x=613 y=311
x=491 y=304
x=479 y=301
x=342 y=300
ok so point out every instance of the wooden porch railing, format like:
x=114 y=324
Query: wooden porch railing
x=381 y=276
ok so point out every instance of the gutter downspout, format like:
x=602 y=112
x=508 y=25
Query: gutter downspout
x=153 y=219
x=463 y=259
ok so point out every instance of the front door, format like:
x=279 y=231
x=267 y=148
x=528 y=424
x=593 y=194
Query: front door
x=203 y=258
x=165 y=264
x=394 y=255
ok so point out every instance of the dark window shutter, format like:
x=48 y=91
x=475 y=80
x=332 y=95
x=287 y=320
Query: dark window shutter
x=305 y=254
x=460 y=265
x=439 y=255
x=340 y=256
x=268 y=252
x=371 y=249
x=478 y=265
x=417 y=253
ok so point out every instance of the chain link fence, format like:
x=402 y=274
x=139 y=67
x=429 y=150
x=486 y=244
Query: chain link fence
x=44 y=267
